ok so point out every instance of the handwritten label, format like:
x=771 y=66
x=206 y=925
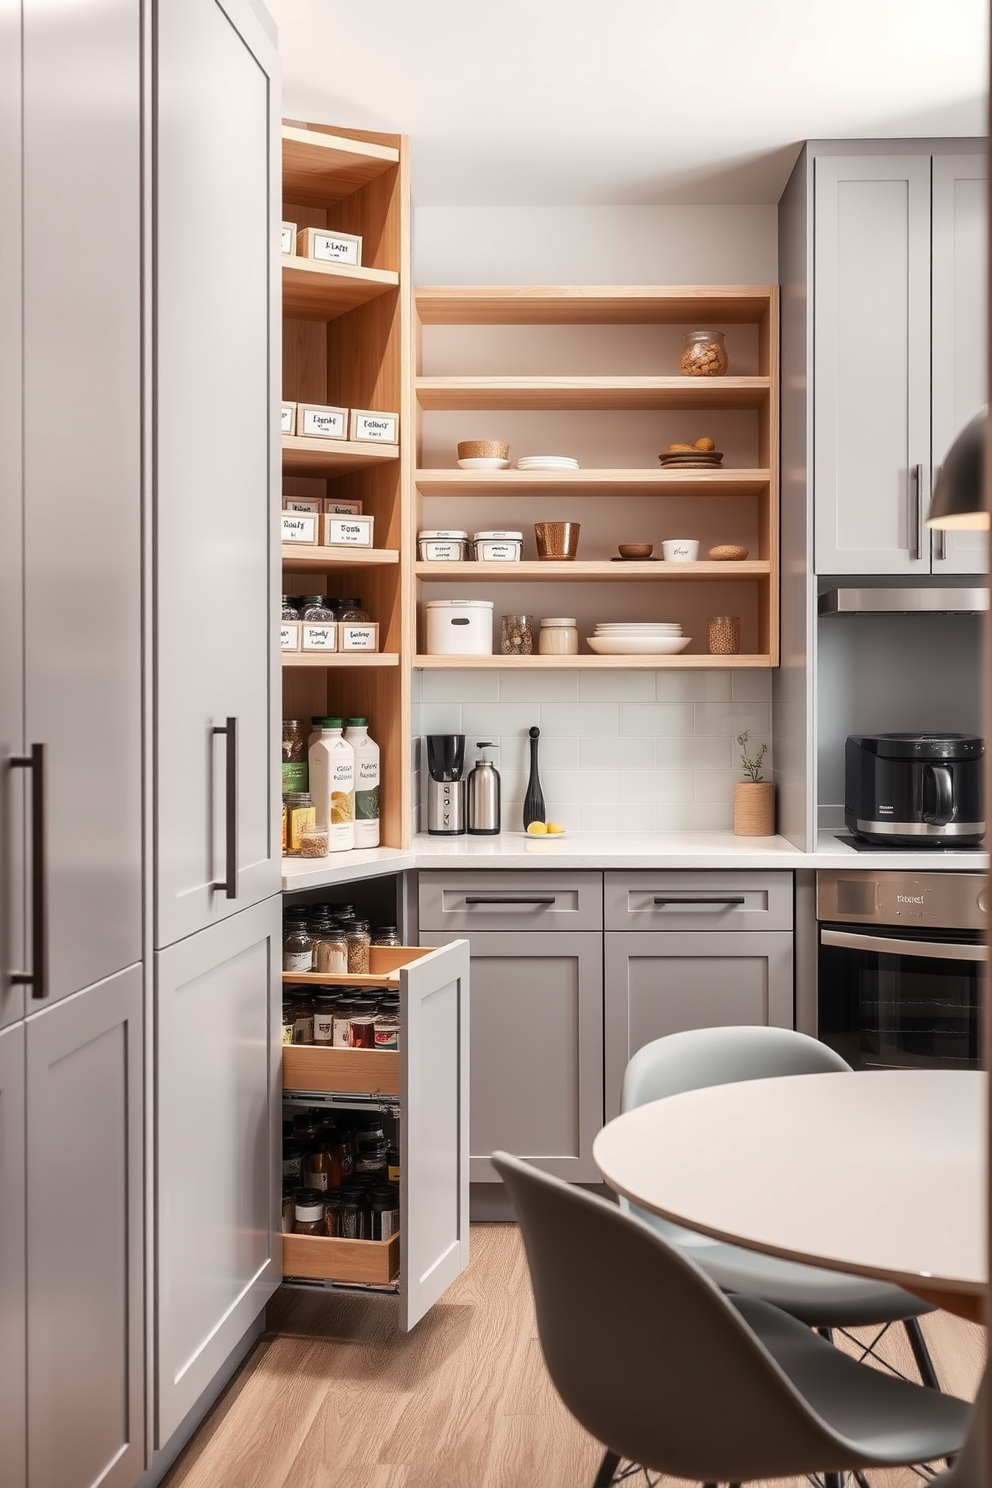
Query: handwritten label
x=353 y=532
x=359 y=637
x=336 y=248
x=299 y=527
x=290 y=635
x=288 y=417
x=324 y=423
x=343 y=508
x=289 y=237
x=498 y=552
x=380 y=428
x=319 y=637
x=302 y=504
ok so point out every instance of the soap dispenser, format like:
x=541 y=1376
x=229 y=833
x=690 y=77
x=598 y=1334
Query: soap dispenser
x=483 y=796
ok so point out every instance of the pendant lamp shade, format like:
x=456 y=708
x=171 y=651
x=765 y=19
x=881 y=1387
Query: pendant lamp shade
x=958 y=503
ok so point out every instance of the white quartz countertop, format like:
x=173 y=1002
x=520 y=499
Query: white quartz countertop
x=616 y=850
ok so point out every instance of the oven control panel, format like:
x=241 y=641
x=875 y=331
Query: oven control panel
x=940 y=901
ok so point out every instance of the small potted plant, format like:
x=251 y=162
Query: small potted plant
x=754 y=798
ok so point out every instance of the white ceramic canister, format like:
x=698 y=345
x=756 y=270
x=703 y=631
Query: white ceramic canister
x=442 y=545
x=558 y=637
x=459 y=627
x=498 y=546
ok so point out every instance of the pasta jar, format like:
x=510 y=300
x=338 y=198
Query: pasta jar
x=558 y=637
x=704 y=354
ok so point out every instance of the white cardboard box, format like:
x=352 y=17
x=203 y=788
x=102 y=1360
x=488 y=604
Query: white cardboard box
x=374 y=427
x=359 y=636
x=318 y=421
x=324 y=245
x=289 y=418
x=288 y=237
x=319 y=635
x=290 y=634
x=302 y=528
x=348 y=532
x=336 y=506
x=302 y=504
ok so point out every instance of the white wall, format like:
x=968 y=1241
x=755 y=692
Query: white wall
x=622 y=751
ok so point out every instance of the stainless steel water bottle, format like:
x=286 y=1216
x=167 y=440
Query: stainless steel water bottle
x=483 y=796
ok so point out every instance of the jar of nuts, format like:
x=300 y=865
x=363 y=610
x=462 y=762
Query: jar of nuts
x=704 y=354
x=723 y=635
x=517 y=635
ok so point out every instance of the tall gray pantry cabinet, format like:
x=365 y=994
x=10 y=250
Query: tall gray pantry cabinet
x=105 y=166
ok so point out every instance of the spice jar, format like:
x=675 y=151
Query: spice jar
x=516 y=635
x=287 y=1020
x=294 y=756
x=723 y=635
x=393 y=1168
x=331 y=1211
x=386 y=935
x=289 y=610
x=309 y=1213
x=350 y=610
x=384 y=1212
x=330 y=952
x=387 y=1024
x=342 y=1022
x=351 y=1215
x=297 y=947
x=314 y=840
x=370 y=1148
x=302 y=1019
x=324 y=1007
x=315 y=608
x=292 y=1162
x=300 y=813
x=558 y=637
x=359 y=940
x=319 y=1163
x=704 y=354
x=361 y=1030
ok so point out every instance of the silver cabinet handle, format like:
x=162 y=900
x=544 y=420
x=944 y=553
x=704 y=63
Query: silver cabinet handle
x=940 y=950
x=918 y=517
x=714 y=899
x=37 y=977
x=937 y=534
x=509 y=899
x=230 y=881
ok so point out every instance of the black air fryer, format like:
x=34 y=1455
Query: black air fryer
x=915 y=790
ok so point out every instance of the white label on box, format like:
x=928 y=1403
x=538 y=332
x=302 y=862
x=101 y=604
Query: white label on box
x=329 y=424
x=354 y=532
x=290 y=635
x=288 y=417
x=359 y=638
x=299 y=527
x=302 y=504
x=499 y=552
x=336 y=248
x=320 y=637
x=289 y=237
x=375 y=426
x=343 y=508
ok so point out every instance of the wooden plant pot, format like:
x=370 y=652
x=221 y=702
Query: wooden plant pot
x=754 y=808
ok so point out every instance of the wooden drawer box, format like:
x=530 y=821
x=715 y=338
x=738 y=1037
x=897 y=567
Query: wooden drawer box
x=316 y=1258
x=350 y=1071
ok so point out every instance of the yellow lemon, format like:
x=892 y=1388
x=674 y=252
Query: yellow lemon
x=537 y=829
x=554 y=828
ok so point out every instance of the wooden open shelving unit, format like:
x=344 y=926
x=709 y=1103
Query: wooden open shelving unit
x=346 y=342
x=740 y=497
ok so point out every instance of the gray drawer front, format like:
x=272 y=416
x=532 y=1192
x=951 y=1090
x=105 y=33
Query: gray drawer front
x=698 y=901
x=510 y=900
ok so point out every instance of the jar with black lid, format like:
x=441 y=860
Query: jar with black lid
x=393 y=1164
x=351 y=611
x=386 y=935
x=387 y=1024
x=332 y=1211
x=371 y=1147
x=315 y=607
x=384 y=1212
x=352 y=1216
x=289 y=610
x=359 y=941
x=330 y=951
x=297 y=947
x=309 y=1213
x=342 y=1021
x=292 y=1162
x=324 y=1007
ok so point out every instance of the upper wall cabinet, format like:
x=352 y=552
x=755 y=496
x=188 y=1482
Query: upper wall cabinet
x=898 y=364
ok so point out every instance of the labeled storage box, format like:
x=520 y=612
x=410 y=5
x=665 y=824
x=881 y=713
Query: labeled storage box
x=290 y=635
x=302 y=504
x=324 y=245
x=375 y=428
x=288 y=418
x=318 y=635
x=289 y=237
x=348 y=532
x=336 y=507
x=301 y=527
x=356 y=635
x=317 y=421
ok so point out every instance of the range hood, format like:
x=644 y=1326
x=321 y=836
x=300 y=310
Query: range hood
x=878 y=601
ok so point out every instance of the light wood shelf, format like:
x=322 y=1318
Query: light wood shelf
x=339 y=660
x=543 y=571
x=319 y=291
x=622 y=304
x=330 y=457
x=632 y=394
x=320 y=169
x=684 y=662
x=301 y=556
x=592 y=482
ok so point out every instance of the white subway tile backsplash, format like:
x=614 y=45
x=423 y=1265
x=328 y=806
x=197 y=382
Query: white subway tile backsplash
x=579 y=718
x=656 y=785
x=572 y=787
x=594 y=817
x=558 y=752
x=619 y=687
x=715 y=786
x=537 y=687
x=691 y=816
x=752 y=687
x=596 y=753
x=691 y=687
x=461 y=687
x=695 y=751
x=733 y=719
x=490 y=720
x=441 y=718
x=656 y=719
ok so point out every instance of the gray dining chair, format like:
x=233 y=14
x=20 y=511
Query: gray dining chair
x=669 y=1372
x=822 y=1299
x=968 y=1470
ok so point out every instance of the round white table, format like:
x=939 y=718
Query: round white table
x=879 y=1173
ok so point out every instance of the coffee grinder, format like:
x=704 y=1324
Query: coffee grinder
x=445 y=788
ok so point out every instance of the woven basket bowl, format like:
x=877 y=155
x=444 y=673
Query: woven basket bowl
x=483 y=449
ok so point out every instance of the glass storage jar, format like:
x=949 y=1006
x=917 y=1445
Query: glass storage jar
x=359 y=940
x=300 y=813
x=297 y=947
x=289 y=610
x=558 y=637
x=315 y=607
x=294 y=756
x=331 y=949
x=723 y=635
x=386 y=935
x=350 y=610
x=516 y=637
x=704 y=354
x=309 y=1213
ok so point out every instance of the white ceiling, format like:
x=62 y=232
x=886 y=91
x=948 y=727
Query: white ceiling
x=569 y=102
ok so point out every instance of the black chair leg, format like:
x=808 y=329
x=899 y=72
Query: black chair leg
x=921 y=1353
x=833 y=1480
x=608 y=1466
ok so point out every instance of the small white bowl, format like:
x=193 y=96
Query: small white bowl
x=680 y=550
x=478 y=464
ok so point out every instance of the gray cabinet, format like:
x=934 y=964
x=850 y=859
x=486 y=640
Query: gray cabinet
x=13 y=1260
x=217 y=360
x=888 y=353
x=536 y=1061
x=218 y=1113
x=706 y=950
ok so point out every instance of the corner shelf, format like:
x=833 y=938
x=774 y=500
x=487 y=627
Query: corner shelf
x=328 y=457
x=337 y=660
x=569 y=393
x=592 y=482
x=319 y=291
x=320 y=168
x=588 y=661
x=545 y=570
x=303 y=555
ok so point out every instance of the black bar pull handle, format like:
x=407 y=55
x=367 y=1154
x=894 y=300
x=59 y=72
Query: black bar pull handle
x=37 y=977
x=705 y=899
x=230 y=881
x=509 y=899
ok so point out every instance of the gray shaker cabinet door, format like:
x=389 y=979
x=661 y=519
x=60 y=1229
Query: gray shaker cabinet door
x=960 y=297
x=13 y=1340
x=658 y=984
x=536 y=1068
x=85 y=1379
x=215 y=407
x=872 y=363
x=434 y=1128
x=218 y=1109
x=83 y=473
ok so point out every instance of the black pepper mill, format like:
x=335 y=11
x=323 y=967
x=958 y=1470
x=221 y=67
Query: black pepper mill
x=534 y=808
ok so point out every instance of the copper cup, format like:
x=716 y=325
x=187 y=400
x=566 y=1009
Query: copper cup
x=557 y=540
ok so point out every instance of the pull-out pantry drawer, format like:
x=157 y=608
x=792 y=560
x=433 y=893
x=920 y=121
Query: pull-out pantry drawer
x=698 y=901
x=454 y=903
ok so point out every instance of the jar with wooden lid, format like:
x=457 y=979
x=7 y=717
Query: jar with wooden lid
x=559 y=636
x=704 y=354
x=309 y=1213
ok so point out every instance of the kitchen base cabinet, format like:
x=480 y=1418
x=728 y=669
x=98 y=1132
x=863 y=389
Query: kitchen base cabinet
x=13 y=1319
x=217 y=1193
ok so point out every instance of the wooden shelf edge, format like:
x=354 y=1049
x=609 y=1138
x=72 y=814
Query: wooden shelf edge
x=595 y=393
x=323 y=144
x=302 y=455
x=309 y=557
x=684 y=662
x=453 y=482
x=338 y=273
x=594 y=570
x=590 y=304
x=337 y=660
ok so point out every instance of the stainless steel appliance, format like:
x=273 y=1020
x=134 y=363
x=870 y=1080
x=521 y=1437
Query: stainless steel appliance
x=445 y=788
x=900 y=966
x=915 y=790
x=483 y=796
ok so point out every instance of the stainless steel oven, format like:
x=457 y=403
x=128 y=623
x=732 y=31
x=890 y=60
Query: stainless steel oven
x=900 y=969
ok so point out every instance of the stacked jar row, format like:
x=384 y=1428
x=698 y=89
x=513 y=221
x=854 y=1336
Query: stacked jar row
x=330 y=786
x=341 y=1175
x=345 y=1018
x=332 y=939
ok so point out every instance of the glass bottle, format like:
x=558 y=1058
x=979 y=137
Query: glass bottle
x=366 y=782
x=342 y=1022
x=309 y=1213
x=359 y=941
x=315 y=607
x=351 y=611
x=386 y=935
x=324 y=1007
x=331 y=949
x=332 y=782
x=387 y=1025
x=294 y=756
x=297 y=947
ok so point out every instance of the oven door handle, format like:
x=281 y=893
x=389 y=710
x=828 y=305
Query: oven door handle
x=936 y=950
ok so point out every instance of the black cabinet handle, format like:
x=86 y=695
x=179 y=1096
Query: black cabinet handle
x=509 y=899
x=37 y=977
x=705 y=899
x=230 y=882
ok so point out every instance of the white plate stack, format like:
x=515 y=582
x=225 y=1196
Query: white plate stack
x=547 y=462
x=638 y=638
